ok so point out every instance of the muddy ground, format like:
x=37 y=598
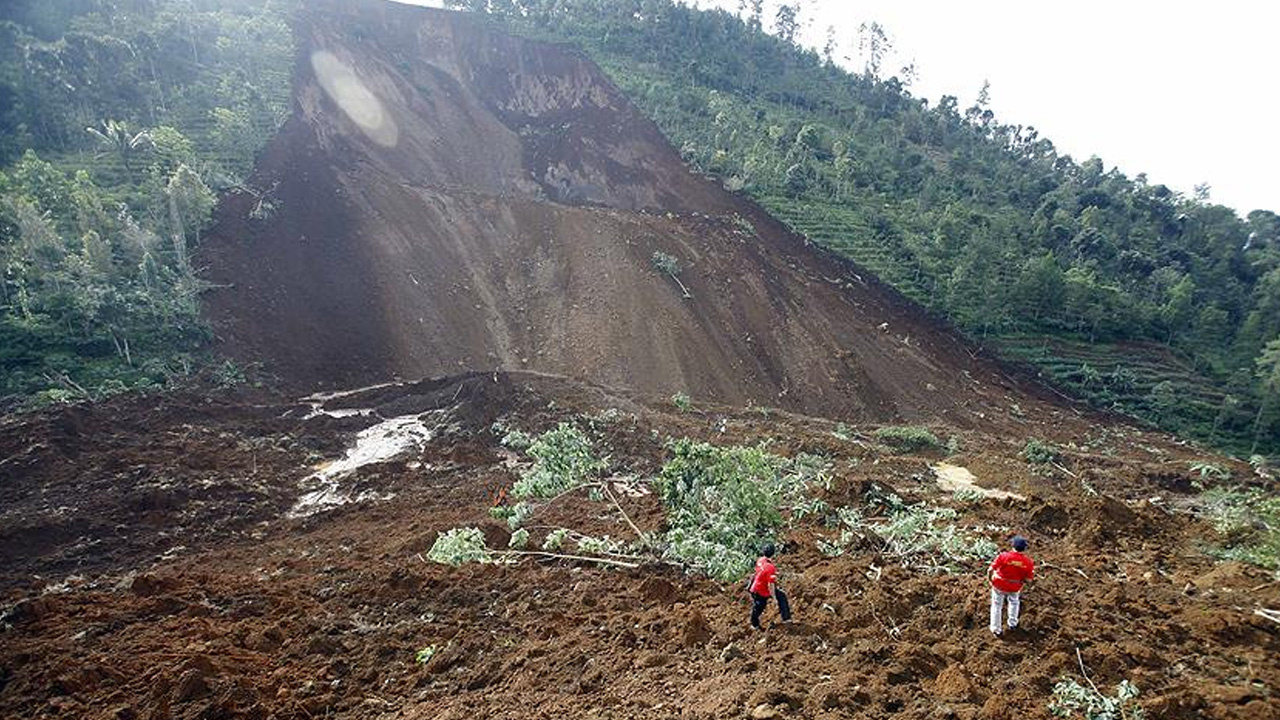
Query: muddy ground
x=157 y=564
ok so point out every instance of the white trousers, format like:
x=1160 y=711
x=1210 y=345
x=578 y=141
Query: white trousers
x=998 y=599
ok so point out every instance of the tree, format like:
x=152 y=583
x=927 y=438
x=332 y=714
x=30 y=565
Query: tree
x=1164 y=401
x=116 y=137
x=190 y=207
x=1179 y=306
x=829 y=46
x=787 y=22
x=874 y=46
x=1268 y=364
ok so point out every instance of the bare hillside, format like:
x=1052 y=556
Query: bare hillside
x=448 y=198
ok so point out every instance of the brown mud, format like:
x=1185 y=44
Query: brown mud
x=152 y=570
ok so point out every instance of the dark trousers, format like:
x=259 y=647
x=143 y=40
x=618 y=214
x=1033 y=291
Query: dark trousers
x=759 y=602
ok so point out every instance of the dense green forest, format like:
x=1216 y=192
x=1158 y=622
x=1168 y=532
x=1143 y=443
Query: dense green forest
x=120 y=120
x=1124 y=292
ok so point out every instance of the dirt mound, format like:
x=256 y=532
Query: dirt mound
x=446 y=198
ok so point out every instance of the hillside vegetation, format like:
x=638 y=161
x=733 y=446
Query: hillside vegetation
x=983 y=222
x=118 y=124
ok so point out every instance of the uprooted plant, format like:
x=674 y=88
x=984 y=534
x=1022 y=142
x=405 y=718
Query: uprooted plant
x=1073 y=700
x=670 y=264
x=1039 y=452
x=723 y=502
x=463 y=545
x=920 y=536
x=565 y=462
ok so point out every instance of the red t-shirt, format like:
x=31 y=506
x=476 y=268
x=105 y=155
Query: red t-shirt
x=1012 y=568
x=766 y=574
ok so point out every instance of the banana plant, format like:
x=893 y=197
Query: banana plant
x=116 y=137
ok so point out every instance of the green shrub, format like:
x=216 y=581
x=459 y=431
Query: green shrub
x=1039 y=452
x=907 y=438
x=459 y=545
x=682 y=402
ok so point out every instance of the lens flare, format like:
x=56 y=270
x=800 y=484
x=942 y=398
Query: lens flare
x=355 y=99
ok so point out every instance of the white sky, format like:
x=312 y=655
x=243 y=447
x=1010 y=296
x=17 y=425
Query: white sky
x=1183 y=91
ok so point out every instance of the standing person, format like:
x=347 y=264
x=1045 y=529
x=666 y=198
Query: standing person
x=1007 y=573
x=764 y=585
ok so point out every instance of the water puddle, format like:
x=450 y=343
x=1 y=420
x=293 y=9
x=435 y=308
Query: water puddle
x=953 y=478
x=384 y=441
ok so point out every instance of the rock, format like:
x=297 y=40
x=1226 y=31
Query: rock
x=191 y=686
x=827 y=698
x=145 y=585
x=731 y=652
x=323 y=645
x=762 y=712
x=268 y=640
x=29 y=610
x=1230 y=694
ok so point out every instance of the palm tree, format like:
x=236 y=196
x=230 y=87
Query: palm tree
x=115 y=137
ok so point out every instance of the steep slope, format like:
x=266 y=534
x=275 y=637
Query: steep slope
x=446 y=197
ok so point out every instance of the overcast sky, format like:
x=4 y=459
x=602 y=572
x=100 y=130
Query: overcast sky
x=1183 y=91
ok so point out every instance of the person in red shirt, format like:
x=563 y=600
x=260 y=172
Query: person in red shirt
x=764 y=585
x=1007 y=573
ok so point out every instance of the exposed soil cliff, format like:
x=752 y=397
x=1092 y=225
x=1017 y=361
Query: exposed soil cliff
x=448 y=198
